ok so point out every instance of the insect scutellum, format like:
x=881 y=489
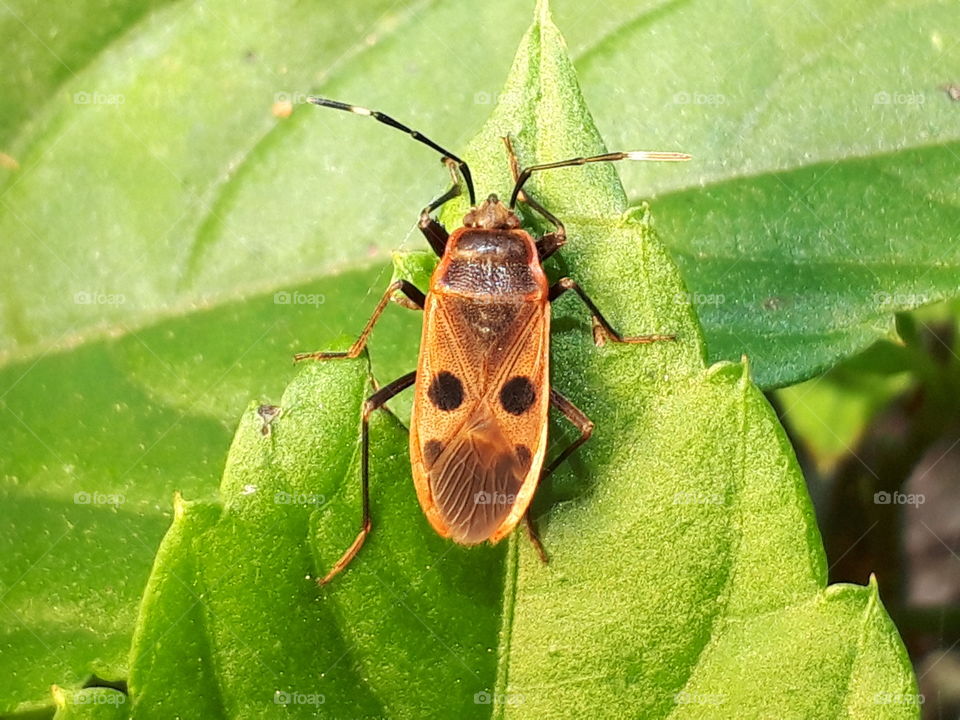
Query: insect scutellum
x=478 y=428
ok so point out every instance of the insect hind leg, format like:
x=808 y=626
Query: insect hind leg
x=579 y=419
x=585 y=425
x=374 y=402
x=535 y=537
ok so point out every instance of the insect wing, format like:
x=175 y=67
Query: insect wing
x=479 y=425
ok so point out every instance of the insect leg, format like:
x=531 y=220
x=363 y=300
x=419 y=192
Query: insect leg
x=548 y=244
x=435 y=233
x=601 y=330
x=534 y=537
x=407 y=288
x=551 y=242
x=579 y=419
x=374 y=402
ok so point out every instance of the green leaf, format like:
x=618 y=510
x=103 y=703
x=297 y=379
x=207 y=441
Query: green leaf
x=850 y=395
x=822 y=196
x=233 y=590
x=848 y=183
x=195 y=204
x=105 y=202
x=123 y=425
x=686 y=578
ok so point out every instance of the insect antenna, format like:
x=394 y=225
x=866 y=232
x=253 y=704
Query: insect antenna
x=387 y=120
x=653 y=155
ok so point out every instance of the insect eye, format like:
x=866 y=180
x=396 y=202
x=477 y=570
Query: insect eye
x=446 y=391
x=517 y=395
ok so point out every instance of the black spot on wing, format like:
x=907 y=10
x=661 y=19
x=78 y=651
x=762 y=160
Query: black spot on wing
x=446 y=391
x=517 y=395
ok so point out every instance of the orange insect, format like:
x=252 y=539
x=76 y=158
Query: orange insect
x=478 y=431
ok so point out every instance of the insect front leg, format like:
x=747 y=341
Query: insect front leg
x=407 y=288
x=602 y=330
x=435 y=233
x=551 y=242
x=374 y=402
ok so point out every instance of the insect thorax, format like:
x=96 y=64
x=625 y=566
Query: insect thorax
x=479 y=261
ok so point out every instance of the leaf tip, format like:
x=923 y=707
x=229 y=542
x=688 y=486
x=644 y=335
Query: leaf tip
x=542 y=13
x=874 y=604
x=179 y=506
x=720 y=369
x=638 y=214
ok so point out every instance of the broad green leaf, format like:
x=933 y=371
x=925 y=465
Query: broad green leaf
x=44 y=50
x=234 y=592
x=196 y=205
x=822 y=198
x=687 y=578
x=824 y=144
x=137 y=418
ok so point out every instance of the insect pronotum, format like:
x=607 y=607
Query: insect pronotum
x=478 y=430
